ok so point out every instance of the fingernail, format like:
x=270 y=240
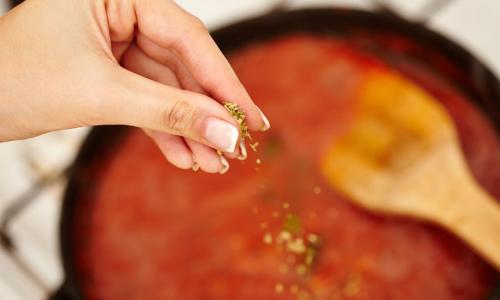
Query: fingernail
x=195 y=166
x=221 y=134
x=267 y=125
x=243 y=151
x=225 y=165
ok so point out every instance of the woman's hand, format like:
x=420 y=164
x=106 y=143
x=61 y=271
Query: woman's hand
x=145 y=63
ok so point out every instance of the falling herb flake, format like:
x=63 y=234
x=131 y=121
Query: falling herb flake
x=279 y=288
x=268 y=238
x=310 y=256
x=301 y=269
x=352 y=286
x=313 y=239
x=254 y=146
x=296 y=246
x=283 y=236
x=272 y=147
x=291 y=223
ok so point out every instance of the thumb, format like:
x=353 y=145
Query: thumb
x=137 y=101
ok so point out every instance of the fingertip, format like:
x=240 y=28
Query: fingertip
x=243 y=154
x=211 y=165
x=256 y=120
x=181 y=160
x=265 y=122
x=174 y=150
x=206 y=157
x=225 y=165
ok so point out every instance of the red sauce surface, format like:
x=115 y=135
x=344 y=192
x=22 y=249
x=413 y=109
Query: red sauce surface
x=149 y=231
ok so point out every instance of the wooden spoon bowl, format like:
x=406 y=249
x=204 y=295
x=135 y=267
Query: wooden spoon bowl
x=402 y=156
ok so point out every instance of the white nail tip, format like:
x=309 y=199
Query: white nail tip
x=225 y=165
x=234 y=139
x=243 y=151
x=222 y=135
x=267 y=125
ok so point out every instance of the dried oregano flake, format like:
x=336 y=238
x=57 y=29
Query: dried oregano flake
x=239 y=116
x=254 y=146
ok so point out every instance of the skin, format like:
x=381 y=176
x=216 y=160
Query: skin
x=144 y=63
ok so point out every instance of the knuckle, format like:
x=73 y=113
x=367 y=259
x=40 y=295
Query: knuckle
x=197 y=24
x=180 y=116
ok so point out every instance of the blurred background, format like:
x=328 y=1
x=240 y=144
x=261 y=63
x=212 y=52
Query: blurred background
x=32 y=171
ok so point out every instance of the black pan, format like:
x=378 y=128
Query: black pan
x=473 y=77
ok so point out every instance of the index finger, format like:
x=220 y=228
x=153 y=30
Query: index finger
x=170 y=27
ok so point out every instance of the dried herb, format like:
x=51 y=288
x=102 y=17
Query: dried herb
x=352 y=286
x=273 y=146
x=291 y=223
x=296 y=246
x=310 y=256
x=279 y=288
x=254 y=146
x=268 y=238
x=239 y=116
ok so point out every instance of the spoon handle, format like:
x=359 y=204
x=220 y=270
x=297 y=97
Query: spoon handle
x=477 y=221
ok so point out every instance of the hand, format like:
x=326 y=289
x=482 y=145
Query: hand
x=145 y=63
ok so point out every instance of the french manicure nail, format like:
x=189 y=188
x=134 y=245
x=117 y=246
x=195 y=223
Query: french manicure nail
x=221 y=134
x=267 y=125
x=225 y=165
x=243 y=150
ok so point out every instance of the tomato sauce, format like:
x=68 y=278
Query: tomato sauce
x=146 y=230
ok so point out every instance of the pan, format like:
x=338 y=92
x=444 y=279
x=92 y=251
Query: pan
x=421 y=55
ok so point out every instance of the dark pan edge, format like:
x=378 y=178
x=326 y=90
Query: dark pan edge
x=321 y=21
x=100 y=141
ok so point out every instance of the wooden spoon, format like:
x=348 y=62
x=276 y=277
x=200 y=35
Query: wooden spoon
x=402 y=156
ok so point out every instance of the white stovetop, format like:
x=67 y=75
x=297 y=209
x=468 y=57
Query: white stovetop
x=474 y=23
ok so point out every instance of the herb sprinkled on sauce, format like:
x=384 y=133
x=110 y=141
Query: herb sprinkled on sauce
x=299 y=246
